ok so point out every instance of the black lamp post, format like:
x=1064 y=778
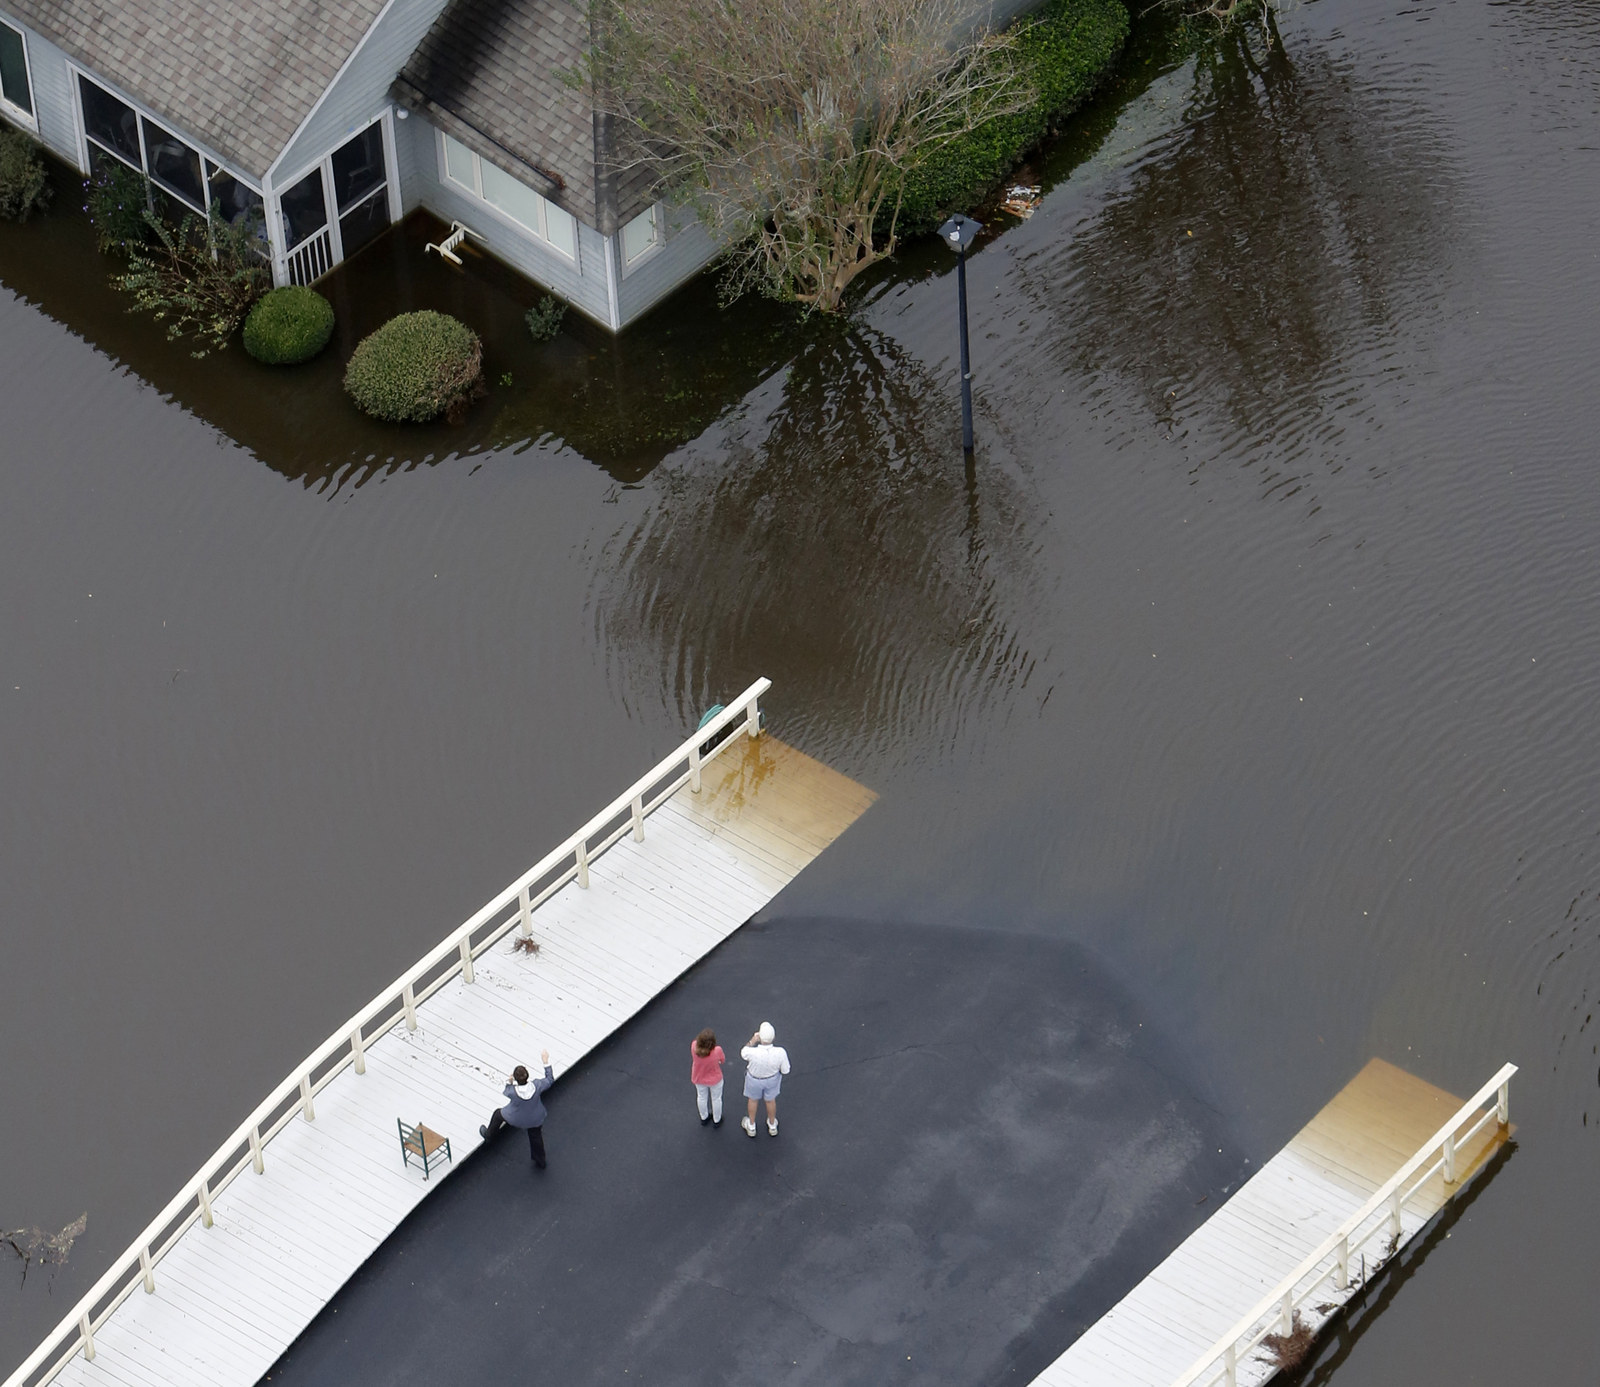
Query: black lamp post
x=958 y=233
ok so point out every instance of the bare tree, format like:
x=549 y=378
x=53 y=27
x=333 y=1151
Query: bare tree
x=788 y=125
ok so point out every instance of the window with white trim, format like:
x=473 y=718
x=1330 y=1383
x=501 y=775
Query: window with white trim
x=16 y=90
x=640 y=235
x=513 y=200
x=114 y=131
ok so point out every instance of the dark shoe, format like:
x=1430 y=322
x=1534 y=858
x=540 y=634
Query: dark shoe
x=717 y=1123
x=538 y=1165
x=483 y=1132
x=705 y=1119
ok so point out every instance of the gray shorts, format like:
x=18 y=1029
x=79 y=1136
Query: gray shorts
x=762 y=1088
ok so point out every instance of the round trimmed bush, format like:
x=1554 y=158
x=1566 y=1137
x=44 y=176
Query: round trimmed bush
x=288 y=326
x=416 y=367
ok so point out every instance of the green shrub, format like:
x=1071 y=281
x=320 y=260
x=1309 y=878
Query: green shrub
x=416 y=367
x=24 y=180
x=1063 y=52
x=116 y=199
x=288 y=326
x=544 y=318
x=198 y=277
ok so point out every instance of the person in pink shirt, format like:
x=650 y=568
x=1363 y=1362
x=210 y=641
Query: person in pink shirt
x=705 y=1068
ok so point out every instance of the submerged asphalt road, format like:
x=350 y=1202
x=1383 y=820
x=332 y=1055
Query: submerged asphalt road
x=981 y=1146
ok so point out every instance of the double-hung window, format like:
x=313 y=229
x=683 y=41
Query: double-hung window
x=16 y=91
x=114 y=132
x=510 y=198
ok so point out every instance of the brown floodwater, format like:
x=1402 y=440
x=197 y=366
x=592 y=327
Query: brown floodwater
x=1253 y=656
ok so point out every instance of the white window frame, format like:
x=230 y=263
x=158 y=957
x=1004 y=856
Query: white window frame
x=15 y=114
x=657 y=236
x=206 y=156
x=475 y=192
x=324 y=165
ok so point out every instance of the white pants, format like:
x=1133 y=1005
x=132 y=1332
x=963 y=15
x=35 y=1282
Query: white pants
x=708 y=1097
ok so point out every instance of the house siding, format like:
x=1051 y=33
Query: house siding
x=582 y=285
x=361 y=91
x=688 y=249
x=53 y=105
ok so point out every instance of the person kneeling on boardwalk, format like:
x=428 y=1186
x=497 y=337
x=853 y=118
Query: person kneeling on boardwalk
x=768 y=1063
x=523 y=1107
x=705 y=1072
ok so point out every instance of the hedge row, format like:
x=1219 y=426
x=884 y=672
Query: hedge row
x=1065 y=49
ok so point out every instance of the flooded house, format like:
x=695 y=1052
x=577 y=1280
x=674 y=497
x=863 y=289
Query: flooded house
x=329 y=123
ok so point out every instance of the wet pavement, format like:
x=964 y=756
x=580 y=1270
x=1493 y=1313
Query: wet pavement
x=978 y=1140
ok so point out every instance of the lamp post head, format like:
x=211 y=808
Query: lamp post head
x=959 y=232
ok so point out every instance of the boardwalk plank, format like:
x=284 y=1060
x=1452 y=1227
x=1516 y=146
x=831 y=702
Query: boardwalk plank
x=230 y=1299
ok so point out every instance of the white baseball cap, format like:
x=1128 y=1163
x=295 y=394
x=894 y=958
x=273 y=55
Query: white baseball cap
x=767 y=1033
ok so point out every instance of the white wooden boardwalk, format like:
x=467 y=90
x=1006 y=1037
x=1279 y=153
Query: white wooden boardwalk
x=214 y=1306
x=1327 y=1199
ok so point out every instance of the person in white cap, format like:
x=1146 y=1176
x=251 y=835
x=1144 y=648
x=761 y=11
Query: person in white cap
x=768 y=1063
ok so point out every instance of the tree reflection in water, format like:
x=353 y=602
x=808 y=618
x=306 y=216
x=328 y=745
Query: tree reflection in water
x=827 y=534
x=1272 y=240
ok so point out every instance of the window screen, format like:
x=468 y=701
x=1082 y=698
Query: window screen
x=110 y=123
x=358 y=167
x=174 y=165
x=14 y=70
x=304 y=210
x=237 y=202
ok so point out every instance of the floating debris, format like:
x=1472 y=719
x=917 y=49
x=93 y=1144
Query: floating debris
x=1021 y=199
x=35 y=1245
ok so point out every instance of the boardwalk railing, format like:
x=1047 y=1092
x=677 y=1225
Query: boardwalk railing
x=295 y=1097
x=1274 y=1313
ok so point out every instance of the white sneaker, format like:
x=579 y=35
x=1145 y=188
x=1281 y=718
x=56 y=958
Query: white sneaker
x=772 y=1127
x=748 y=1125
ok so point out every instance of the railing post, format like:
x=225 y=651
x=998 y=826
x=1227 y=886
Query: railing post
x=205 y=1204
x=255 y=1151
x=87 y=1331
x=1504 y=1104
x=1394 y=1212
x=1286 y=1314
x=583 y=865
x=306 y=1110
x=358 y=1051
x=752 y=718
x=148 y=1270
x=1230 y=1363
x=638 y=818
x=1450 y=1159
x=694 y=768
x=466 y=960
x=409 y=997
x=525 y=907
x=1343 y=1279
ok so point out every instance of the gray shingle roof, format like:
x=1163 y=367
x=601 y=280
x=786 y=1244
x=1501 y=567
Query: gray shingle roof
x=488 y=73
x=239 y=75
